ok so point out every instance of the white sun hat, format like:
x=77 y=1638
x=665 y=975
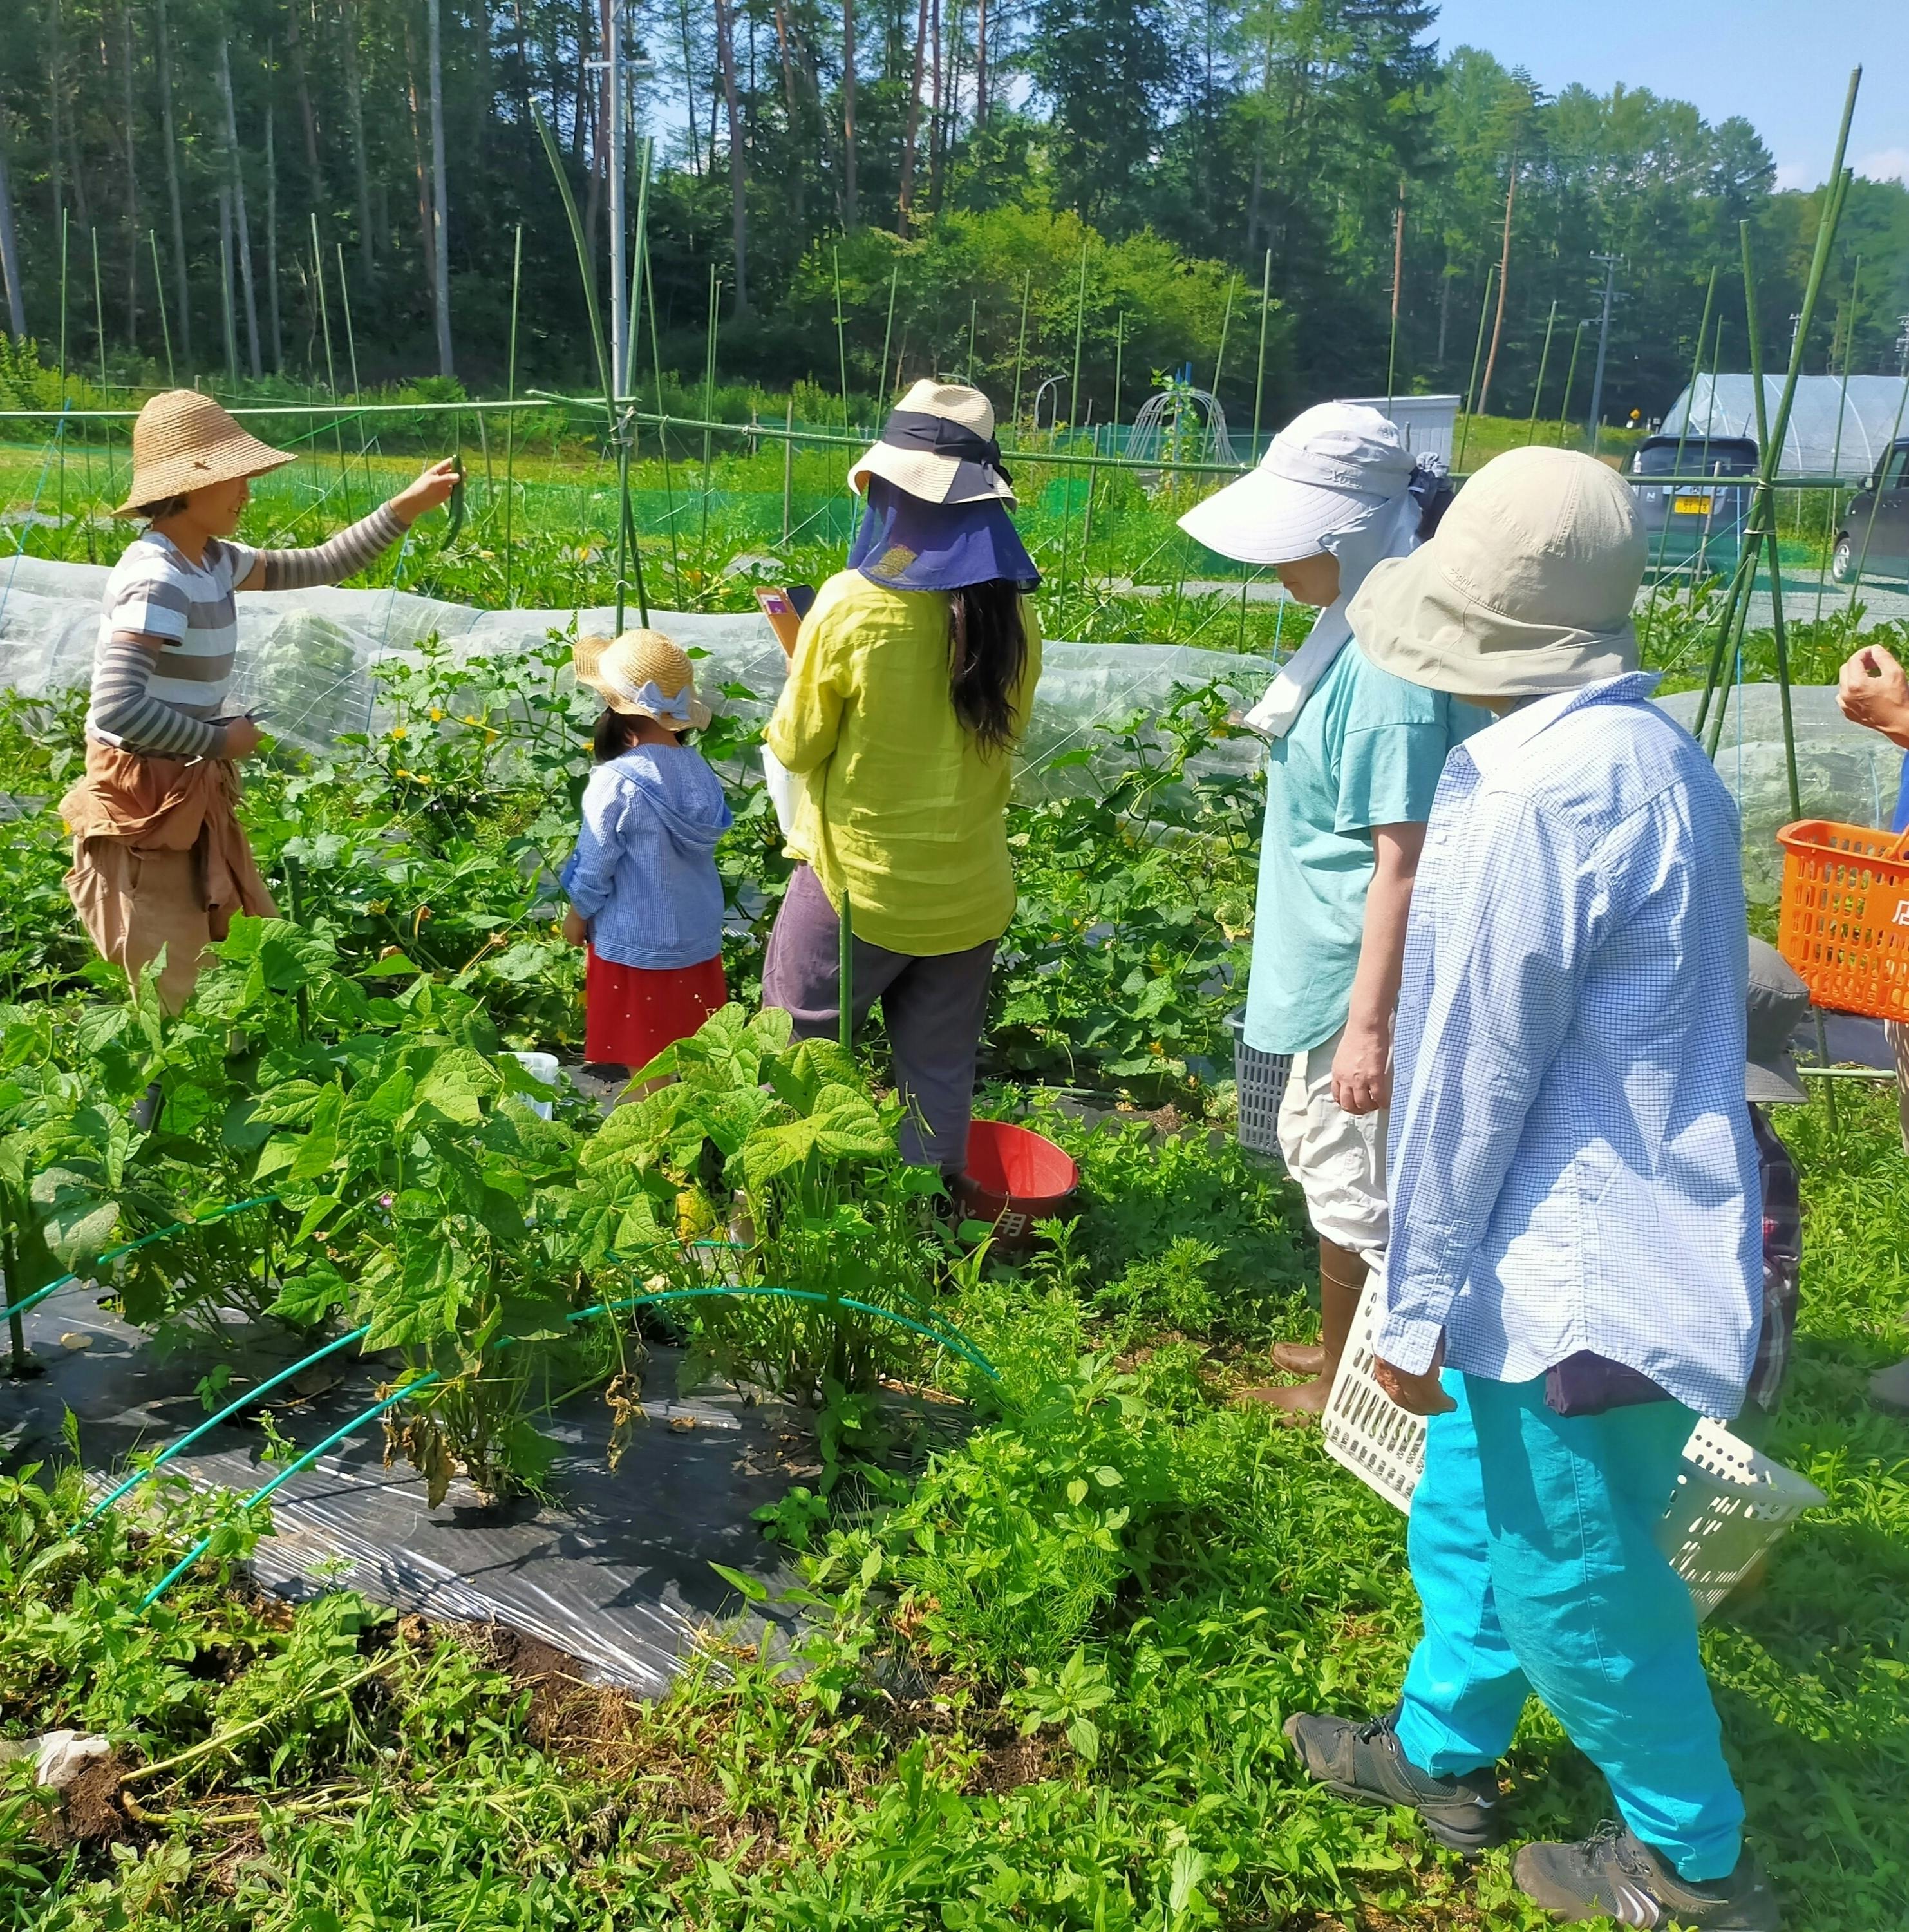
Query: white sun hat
x=938 y=444
x=1526 y=588
x=1331 y=466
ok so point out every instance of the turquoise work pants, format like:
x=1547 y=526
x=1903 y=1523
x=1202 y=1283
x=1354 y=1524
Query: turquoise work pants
x=1533 y=1550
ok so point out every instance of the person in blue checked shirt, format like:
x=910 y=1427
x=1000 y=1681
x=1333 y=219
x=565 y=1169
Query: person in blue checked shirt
x=1576 y=1225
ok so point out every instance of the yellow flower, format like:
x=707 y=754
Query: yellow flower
x=436 y=714
x=397 y=733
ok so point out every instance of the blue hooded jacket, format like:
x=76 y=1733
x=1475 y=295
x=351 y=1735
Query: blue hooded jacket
x=644 y=873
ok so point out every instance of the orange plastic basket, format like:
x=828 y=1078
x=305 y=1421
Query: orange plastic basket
x=1844 y=918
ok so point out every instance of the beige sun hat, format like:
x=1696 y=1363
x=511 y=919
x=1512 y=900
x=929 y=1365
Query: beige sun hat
x=183 y=441
x=642 y=674
x=1526 y=588
x=938 y=444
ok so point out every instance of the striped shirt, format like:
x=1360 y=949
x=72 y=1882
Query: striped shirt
x=155 y=591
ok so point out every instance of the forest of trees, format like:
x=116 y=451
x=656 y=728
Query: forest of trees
x=980 y=157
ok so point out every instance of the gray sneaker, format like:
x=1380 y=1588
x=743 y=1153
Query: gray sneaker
x=1364 y=1763
x=1613 y=1874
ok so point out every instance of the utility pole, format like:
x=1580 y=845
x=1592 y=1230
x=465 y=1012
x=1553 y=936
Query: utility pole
x=1611 y=265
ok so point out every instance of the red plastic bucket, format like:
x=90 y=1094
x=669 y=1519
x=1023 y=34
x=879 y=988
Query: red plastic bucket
x=1014 y=1178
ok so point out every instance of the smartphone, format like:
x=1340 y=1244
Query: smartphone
x=785 y=609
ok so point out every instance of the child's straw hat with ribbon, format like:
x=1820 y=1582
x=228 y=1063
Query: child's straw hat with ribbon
x=183 y=441
x=642 y=674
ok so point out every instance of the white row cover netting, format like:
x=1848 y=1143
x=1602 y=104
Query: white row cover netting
x=306 y=657
x=1836 y=429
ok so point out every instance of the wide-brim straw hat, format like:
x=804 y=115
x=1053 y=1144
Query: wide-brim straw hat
x=183 y=441
x=642 y=674
x=1330 y=467
x=1526 y=587
x=938 y=444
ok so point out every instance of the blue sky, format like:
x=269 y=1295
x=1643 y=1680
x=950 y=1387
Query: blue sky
x=1783 y=64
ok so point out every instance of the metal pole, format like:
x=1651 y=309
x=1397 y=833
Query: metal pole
x=1611 y=262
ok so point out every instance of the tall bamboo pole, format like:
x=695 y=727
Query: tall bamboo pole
x=888 y=336
x=709 y=402
x=1570 y=378
x=165 y=320
x=1226 y=325
x=511 y=419
x=841 y=339
x=1683 y=432
x=1771 y=436
x=1080 y=323
x=1021 y=347
x=330 y=364
x=99 y=311
x=1392 y=350
x=1537 y=389
x=662 y=421
x=1478 y=355
x=1259 y=375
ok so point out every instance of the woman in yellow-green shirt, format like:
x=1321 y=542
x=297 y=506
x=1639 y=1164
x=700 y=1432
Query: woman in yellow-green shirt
x=908 y=690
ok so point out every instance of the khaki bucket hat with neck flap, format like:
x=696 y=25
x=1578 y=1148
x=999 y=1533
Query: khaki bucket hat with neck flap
x=182 y=441
x=1526 y=587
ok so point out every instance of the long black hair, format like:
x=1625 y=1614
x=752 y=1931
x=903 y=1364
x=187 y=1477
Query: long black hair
x=986 y=660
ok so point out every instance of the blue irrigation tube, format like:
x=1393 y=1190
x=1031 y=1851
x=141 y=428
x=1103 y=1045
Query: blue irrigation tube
x=40 y=1294
x=192 y=1436
x=954 y=1344
x=285 y=1475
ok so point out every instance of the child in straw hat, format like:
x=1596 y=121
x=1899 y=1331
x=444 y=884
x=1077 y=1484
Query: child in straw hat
x=159 y=861
x=644 y=895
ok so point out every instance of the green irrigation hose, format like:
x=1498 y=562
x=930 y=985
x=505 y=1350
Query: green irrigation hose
x=192 y=1436
x=40 y=1294
x=953 y=1344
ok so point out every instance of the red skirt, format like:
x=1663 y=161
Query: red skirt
x=631 y=1013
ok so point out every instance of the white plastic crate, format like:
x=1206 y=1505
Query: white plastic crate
x=1260 y=1079
x=1732 y=1502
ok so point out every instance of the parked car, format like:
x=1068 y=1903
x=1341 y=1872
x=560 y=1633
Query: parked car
x=1873 y=537
x=1693 y=525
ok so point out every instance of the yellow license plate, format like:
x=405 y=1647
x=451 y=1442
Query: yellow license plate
x=1691 y=506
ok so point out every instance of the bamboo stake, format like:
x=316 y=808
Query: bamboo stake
x=1683 y=432
x=1226 y=325
x=1259 y=373
x=1392 y=351
x=99 y=311
x=841 y=340
x=365 y=440
x=510 y=420
x=330 y=367
x=1836 y=449
x=974 y=309
x=888 y=336
x=788 y=469
x=1544 y=363
x=1020 y=348
x=165 y=320
x=709 y=402
x=1570 y=377
x=1478 y=356
x=1080 y=323
x=65 y=224
x=662 y=420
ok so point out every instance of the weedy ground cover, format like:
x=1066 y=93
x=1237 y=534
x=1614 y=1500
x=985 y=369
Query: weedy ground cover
x=1048 y=1668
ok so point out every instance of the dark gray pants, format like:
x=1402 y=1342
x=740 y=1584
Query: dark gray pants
x=934 y=1009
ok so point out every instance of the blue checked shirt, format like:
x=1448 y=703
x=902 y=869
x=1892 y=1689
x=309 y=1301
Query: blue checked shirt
x=1571 y=1160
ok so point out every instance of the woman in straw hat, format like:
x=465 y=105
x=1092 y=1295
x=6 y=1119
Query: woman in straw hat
x=1576 y=1233
x=910 y=687
x=644 y=895
x=160 y=861
x=1355 y=758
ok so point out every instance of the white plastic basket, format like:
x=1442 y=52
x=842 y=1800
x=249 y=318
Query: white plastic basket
x=1732 y=1502
x=1260 y=1079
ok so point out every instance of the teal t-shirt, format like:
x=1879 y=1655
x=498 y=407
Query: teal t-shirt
x=1366 y=750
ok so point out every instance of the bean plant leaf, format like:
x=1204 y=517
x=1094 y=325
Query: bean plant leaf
x=753 y=1588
